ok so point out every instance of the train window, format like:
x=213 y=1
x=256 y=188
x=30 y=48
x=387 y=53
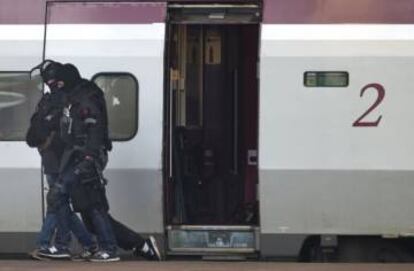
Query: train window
x=121 y=95
x=18 y=98
x=326 y=79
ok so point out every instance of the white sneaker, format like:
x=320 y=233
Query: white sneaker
x=104 y=256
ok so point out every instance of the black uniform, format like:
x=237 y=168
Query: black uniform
x=44 y=134
x=93 y=116
x=85 y=122
x=84 y=129
x=43 y=131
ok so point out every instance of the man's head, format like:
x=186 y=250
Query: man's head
x=57 y=75
x=53 y=74
x=71 y=75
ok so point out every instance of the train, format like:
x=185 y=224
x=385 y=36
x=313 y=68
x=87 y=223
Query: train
x=274 y=129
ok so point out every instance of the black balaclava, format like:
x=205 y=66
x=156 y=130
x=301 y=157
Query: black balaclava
x=71 y=76
x=52 y=71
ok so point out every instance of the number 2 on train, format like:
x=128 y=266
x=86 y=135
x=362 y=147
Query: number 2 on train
x=360 y=122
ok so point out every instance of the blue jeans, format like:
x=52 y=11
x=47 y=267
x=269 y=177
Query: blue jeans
x=50 y=224
x=99 y=216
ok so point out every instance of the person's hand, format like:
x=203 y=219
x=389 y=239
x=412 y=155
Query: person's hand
x=52 y=119
x=86 y=167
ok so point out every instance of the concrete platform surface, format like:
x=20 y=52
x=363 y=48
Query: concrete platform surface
x=14 y=265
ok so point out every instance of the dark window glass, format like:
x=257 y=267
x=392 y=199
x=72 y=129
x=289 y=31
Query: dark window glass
x=18 y=98
x=121 y=94
x=326 y=79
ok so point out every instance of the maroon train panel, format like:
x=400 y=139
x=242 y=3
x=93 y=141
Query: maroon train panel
x=338 y=11
x=33 y=11
x=22 y=12
x=274 y=11
x=111 y=13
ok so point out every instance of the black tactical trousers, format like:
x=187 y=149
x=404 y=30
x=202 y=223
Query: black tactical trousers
x=126 y=238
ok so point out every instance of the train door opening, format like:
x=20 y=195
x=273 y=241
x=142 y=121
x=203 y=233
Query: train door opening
x=212 y=115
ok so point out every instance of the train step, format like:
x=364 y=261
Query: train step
x=212 y=240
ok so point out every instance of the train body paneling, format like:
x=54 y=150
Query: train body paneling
x=328 y=163
x=334 y=152
x=128 y=45
x=135 y=165
x=136 y=47
x=20 y=186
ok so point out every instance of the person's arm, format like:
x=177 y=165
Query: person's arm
x=47 y=142
x=94 y=124
x=38 y=132
x=95 y=127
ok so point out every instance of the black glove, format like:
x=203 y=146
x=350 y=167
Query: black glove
x=53 y=109
x=37 y=133
x=85 y=167
x=52 y=119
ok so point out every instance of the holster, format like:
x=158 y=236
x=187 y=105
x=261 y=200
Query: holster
x=89 y=195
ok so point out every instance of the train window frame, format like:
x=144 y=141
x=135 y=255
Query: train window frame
x=306 y=74
x=40 y=90
x=136 y=116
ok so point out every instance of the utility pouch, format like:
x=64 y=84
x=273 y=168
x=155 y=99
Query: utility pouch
x=88 y=195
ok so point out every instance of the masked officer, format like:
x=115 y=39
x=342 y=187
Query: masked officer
x=43 y=134
x=83 y=130
x=87 y=133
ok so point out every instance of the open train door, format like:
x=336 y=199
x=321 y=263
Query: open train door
x=212 y=116
x=120 y=46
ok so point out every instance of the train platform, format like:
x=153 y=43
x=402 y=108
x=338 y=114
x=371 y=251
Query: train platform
x=20 y=265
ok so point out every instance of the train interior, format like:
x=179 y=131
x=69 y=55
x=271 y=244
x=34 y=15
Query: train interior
x=212 y=113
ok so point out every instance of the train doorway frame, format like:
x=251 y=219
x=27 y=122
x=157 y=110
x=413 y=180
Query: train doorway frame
x=198 y=42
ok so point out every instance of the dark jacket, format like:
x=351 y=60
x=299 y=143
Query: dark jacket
x=43 y=132
x=84 y=123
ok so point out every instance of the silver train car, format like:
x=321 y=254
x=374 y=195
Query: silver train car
x=274 y=128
